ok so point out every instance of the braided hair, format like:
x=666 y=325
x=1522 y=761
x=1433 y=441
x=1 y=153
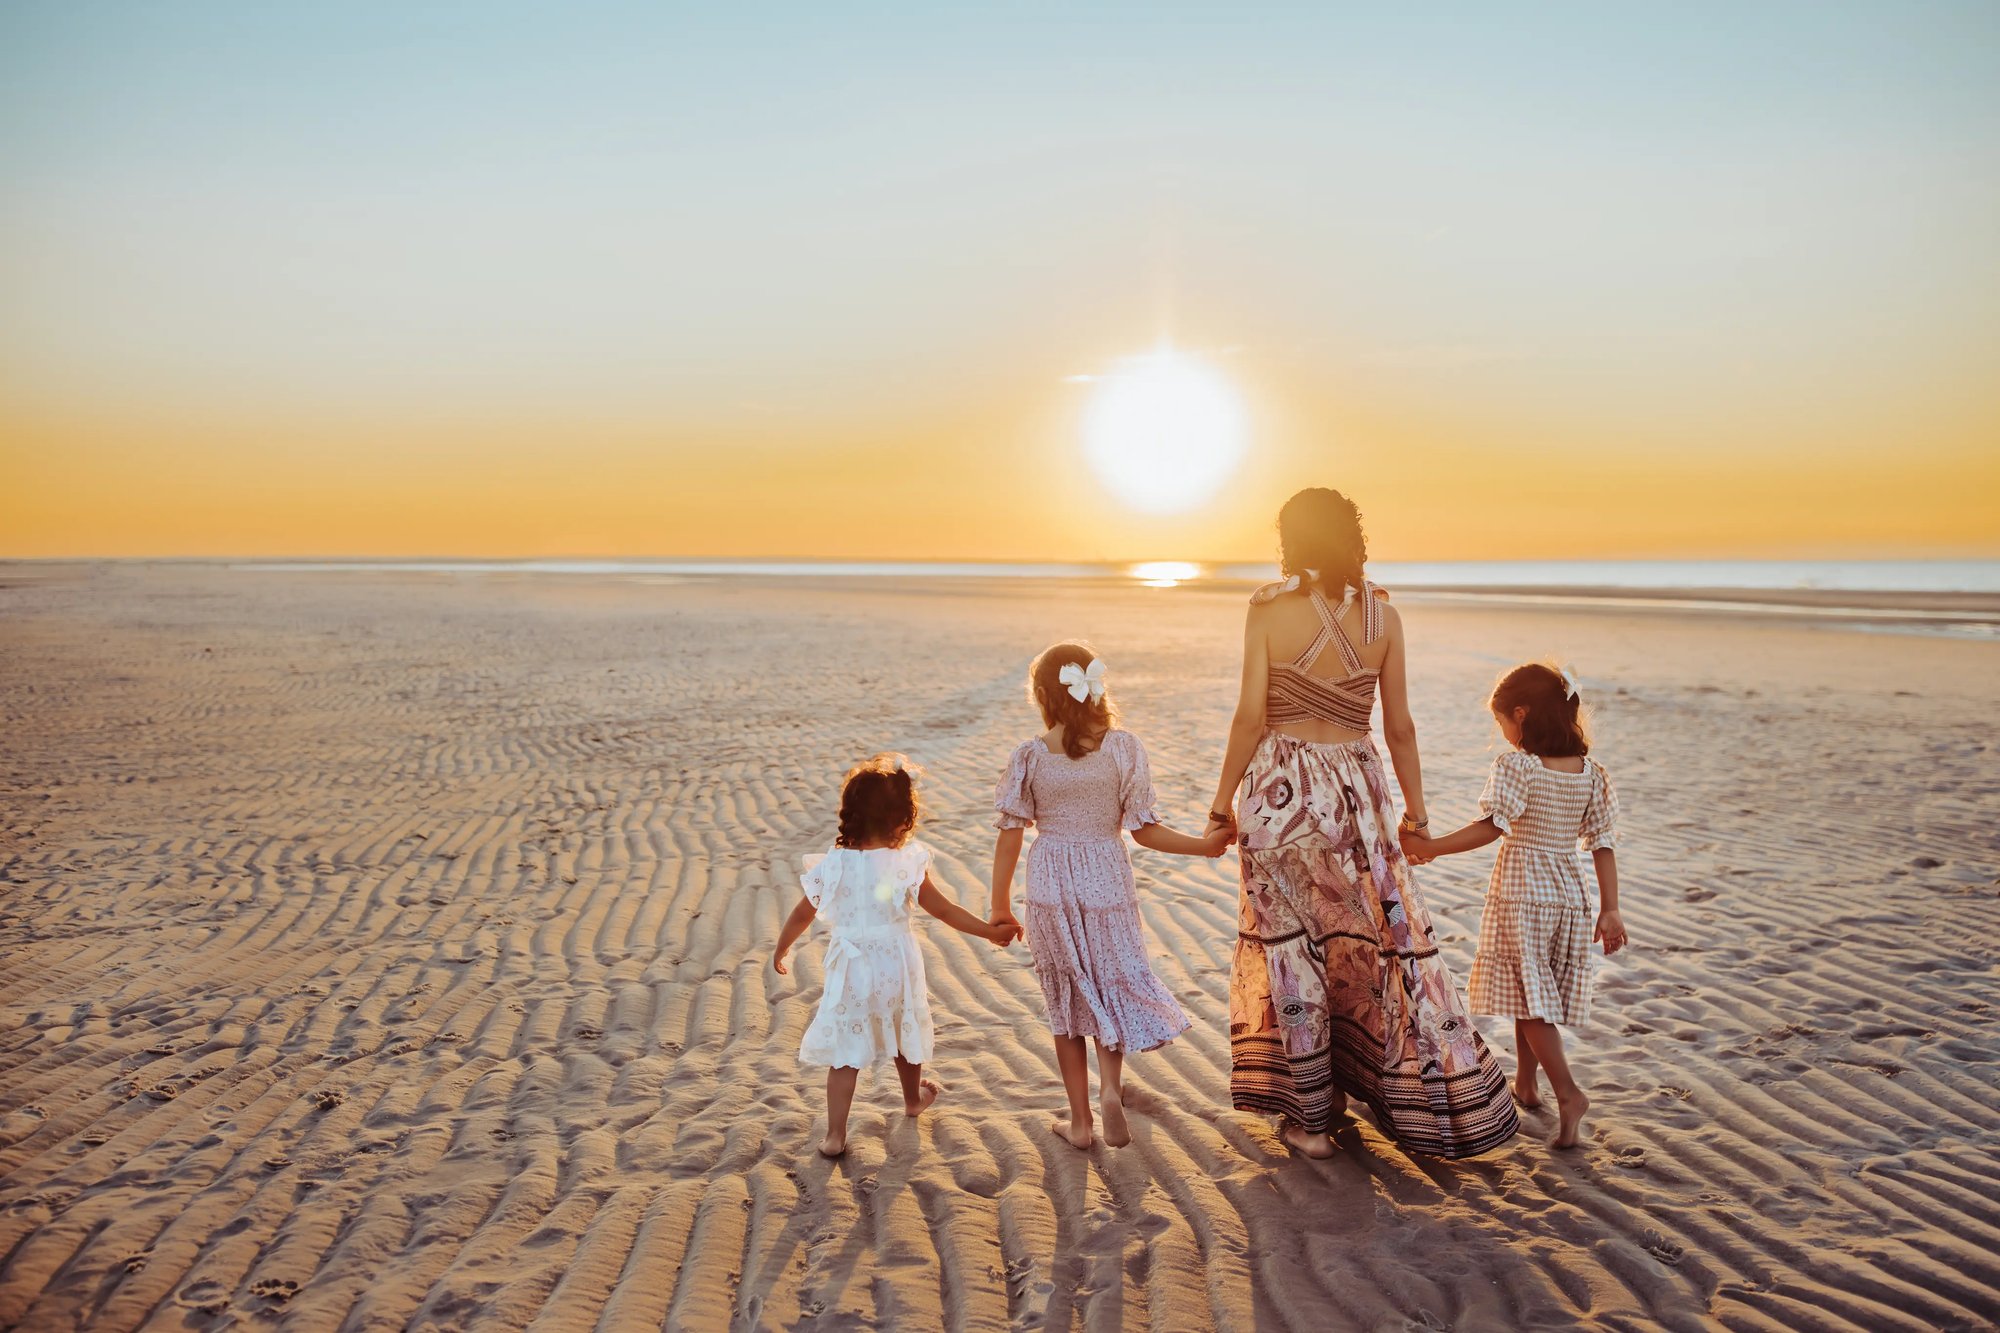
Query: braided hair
x=879 y=805
x=1320 y=529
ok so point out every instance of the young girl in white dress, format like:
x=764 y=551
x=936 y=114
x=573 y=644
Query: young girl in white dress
x=1547 y=799
x=873 y=1005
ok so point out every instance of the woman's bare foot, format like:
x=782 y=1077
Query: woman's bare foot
x=1078 y=1136
x=1338 y=1107
x=1116 y=1132
x=1569 y=1119
x=833 y=1145
x=1319 y=1147
x=1527 y=1094
x=927 y=1092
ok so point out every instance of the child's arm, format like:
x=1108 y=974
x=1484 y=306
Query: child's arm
x=1470 y=838
x=1006 y=855
x=1610 y=925
x=795 y=925
x=944 y=909
x=1163 y=839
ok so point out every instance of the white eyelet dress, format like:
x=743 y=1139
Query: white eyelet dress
x=873 y=1005
x=1534 y=958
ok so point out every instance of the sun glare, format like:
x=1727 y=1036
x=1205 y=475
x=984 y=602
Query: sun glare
x=1163 y=431
x=1165 y=573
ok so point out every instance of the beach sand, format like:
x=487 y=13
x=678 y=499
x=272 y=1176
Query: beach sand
x=391 y=951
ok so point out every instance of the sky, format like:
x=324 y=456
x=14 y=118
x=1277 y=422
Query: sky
x=1535 y=281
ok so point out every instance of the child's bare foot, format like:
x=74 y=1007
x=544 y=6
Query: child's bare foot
x=1527 y=1094
x=927 y=1092
x=833 y=1145
x=1569 y=1119
x=1116 y=1132
x=1338 y=1107
x=1319 y=1147
x=1078 y=1136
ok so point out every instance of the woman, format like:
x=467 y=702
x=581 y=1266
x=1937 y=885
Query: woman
x=1337 y=988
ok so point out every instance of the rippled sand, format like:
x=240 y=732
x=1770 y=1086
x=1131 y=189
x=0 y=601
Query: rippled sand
x=387 y=951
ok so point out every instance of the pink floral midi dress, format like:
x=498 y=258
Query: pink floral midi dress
x=1082 y=909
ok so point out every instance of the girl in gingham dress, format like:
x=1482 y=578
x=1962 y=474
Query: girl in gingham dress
x=1545 y=799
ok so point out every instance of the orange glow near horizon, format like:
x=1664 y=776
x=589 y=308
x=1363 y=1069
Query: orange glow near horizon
x=653 y=285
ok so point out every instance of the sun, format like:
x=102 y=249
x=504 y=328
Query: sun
x=1162 y=431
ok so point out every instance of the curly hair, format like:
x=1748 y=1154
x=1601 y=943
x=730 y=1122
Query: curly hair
x=879 y=804
x=1084 y=721
x=1320 y=529
x=1554 y=725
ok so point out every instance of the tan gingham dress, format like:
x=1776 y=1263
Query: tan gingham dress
x=1534 y=955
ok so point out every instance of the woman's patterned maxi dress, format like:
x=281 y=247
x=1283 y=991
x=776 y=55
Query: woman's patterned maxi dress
x=1337 y=982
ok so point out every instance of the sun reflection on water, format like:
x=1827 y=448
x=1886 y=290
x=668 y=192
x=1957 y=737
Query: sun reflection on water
x=1165 y=573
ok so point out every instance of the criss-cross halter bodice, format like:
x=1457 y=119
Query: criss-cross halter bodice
x=1296 y=695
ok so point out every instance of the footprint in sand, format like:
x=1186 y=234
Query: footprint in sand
x=133 y=1263
x=205 y=1296
x=277 y=1290
x=326 y=1099
x=1666 y=1251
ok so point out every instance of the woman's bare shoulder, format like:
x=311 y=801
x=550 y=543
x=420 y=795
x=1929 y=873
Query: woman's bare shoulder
x=1271 y=592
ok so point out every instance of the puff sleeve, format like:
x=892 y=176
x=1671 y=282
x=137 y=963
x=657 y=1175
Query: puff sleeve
x=1014 y=800
x=1135 y=785
x=1506 y=794
x=1600 y=818
x=913 y=862
x=822 y=872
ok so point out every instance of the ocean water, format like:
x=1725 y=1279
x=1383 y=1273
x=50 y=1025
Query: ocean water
x=1961 y=576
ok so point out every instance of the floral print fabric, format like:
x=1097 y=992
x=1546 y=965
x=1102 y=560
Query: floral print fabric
x=1081 y=914
x=1337 y=982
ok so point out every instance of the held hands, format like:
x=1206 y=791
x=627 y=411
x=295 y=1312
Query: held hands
x=1610 y=930
x=1220 y=833
x=1003 y=929
x=1416 y=847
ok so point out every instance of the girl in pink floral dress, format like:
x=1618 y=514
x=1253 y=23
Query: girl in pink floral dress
x=1082 y=785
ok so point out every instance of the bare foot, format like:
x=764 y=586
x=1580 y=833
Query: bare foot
x=1319 y=1147
x=1338 y=1107
x=1569 y=1119
x=833 y=1145
x=1527 y=1094
x=1116 y=1132
x=1077 y=1136
x=927 y=1092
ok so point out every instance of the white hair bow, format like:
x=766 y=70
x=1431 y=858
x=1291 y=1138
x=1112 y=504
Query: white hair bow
x=1297 y=581
x=1569 y=683
x=1083 y=683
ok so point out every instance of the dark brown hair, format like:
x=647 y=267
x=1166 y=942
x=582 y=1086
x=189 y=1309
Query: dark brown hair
x=879 y=805
x=1553 y=726
x=1083 y=721
x=1321 y=529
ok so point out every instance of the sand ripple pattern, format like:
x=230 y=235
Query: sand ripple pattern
x=389 y=951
